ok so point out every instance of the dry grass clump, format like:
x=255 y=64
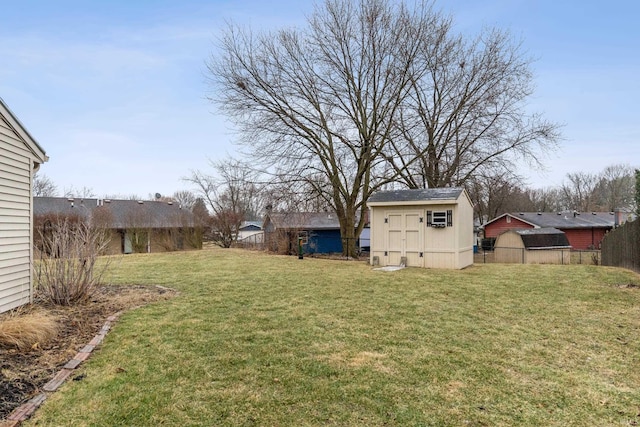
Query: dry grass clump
x=27 y=331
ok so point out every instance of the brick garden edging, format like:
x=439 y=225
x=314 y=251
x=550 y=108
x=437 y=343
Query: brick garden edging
x=24 y=411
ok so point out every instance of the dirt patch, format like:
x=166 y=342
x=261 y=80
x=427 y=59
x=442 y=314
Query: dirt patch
x=628 y=286
x=23 y=373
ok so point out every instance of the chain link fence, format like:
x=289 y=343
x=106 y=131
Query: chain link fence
x=538 y=256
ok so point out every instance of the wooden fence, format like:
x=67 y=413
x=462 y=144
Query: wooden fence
x=621 y=247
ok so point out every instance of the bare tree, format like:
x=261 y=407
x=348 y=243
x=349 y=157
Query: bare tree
x=637 y=192
x=546 y=199
x=307 y=195
x=322 y=100
x=43 y=186
x=615 y=189
x=82 y=193
x=578 y=191
x=116 y=196
x=185 y=198
x=466 y=114
x=231 y=195
x=495 y=194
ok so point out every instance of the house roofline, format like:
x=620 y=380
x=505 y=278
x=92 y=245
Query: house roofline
x=22 y=131
x=512 y=216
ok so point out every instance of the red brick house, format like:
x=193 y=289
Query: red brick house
x=584 y=230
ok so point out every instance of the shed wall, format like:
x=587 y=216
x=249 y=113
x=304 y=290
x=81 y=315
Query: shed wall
x=404 y=234
x=465 y=233
x=510 y=249
x=15 y=219
x=548 y=256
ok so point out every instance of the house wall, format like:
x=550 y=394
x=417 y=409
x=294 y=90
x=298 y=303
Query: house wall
x=15 y=219
x=405 y=235
x=254 y=236
x=503 y=224
x=323 y=242
x=115 y=243
x=584 y=239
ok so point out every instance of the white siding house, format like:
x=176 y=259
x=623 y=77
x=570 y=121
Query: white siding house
x=431 y=228
x=20 y=157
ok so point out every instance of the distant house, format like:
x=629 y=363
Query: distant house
x=430 y=228
x=20 y=157
x=250 y=232
x=320 y=232
x=136 y=226
x=584 y=230
x=533 y=246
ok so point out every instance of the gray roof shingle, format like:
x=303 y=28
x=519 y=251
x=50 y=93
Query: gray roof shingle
x=123 y=213
x=305 y=220
x=426 y=194
x=568 y=219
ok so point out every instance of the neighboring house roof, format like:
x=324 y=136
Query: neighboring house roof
x=303 y=220
x=538 y=238
x=566 y=220
x=417 y=195
x=251 y=226
x=123 y=214
x=19 y=128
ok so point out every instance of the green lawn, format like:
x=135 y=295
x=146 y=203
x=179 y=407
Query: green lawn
x=265 y=340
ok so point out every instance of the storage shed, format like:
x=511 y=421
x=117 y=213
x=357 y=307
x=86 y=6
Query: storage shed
x=430 y=228
x=20 y=157
x=533 y=246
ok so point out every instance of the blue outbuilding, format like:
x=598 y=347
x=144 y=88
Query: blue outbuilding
x=320 y=232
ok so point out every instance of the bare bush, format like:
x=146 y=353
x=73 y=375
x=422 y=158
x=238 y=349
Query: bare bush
x=67 y=273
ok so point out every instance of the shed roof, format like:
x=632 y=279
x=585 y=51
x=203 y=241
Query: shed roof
x=537 y=238
x=22 y=132
x=566 y=220
x=123 y=213
x=415 y=195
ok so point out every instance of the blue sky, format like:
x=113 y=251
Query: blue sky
x=115 y=90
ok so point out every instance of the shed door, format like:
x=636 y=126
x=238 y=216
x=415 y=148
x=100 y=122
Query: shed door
x=404 y=238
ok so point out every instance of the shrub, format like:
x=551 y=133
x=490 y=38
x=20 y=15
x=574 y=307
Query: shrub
x=66 y=273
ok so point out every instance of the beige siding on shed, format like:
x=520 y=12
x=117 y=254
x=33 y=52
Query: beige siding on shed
x=16 y=162
x=397 y=232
